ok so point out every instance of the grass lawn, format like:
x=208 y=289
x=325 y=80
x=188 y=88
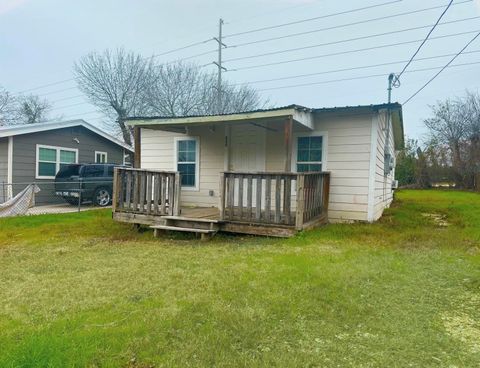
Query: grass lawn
x=78 y=290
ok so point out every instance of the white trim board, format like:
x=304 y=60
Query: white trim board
x=35 y=128
x=372 y=169
x=101 y=153
x=57 y=159
x=315 y=133
x=196 y=188
x=10 y=167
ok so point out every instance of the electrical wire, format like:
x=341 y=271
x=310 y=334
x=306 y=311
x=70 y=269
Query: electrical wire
x=345 y=25
x=347 y=40
x=145 y=58
x=365 y=77
x=349 y=51
x=425 y=40
x=314 y=18
x=442 y=69
x=349 y=69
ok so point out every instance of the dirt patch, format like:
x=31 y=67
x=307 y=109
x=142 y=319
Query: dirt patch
x=463 y=323
x=438 y=219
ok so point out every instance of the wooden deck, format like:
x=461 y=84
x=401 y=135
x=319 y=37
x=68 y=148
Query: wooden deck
x=270 y=204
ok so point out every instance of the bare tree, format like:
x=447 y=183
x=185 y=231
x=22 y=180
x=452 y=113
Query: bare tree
x=32 y=110
x=448 y=126
x=182 y=89
x=456 y=125
x=116 y=83
x=7 y=107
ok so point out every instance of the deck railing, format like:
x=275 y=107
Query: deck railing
x=149 y=192
x=274 y=198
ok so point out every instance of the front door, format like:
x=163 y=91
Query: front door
x=247 y=148
x=247 y=154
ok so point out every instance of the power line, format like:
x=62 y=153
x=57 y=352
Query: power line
x=364 y=77
x=314 y=18
x=425 y=40
x=346 y=25
x=180 y=48
x=350 y=51
x=345 y=40
x=442 y=69
x=350 y=69
x=145 y=58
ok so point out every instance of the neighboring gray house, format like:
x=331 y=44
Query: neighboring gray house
x=34 y=153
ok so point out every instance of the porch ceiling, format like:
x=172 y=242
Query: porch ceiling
x=304 y=118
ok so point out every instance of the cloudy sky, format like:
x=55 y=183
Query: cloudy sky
x=41 y=39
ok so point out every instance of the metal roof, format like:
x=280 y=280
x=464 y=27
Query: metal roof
x=13 y=130
x=394 y=105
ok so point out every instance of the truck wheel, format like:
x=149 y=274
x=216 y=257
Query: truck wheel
x=102 y=197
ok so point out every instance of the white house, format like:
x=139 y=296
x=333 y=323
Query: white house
x=356 y=145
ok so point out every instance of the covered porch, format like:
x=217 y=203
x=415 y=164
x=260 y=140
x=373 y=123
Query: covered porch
x=272 y=204
x=234 y=172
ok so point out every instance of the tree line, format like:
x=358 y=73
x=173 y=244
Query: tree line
x=451 y=152
x=123 y=84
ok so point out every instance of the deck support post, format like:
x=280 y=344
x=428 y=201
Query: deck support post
x=288 y=129
x=300 y=201
x=177 y=191
x=222 y=196
x=136 y=141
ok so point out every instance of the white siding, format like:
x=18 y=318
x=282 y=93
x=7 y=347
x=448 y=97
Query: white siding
x=383 y=193
x=350 y=156
x=348 y=160
x=3 y=169
x=158 y=153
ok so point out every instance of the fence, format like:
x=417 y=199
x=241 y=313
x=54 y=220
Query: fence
x=62 y=196
x=274 y=198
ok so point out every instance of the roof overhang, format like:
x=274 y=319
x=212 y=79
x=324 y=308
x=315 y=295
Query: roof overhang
x=396 y=114
x=303 y=117
x=43 y=127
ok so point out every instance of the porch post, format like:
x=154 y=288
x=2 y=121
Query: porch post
x=136 y=142
x=288 y=127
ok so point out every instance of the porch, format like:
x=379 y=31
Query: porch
x=260 y=203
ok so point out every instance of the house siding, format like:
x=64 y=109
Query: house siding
x=383 y=192
x=158 y=152
x=348 y=160
x=3 y=168
x=24 y=156
x=349 y=157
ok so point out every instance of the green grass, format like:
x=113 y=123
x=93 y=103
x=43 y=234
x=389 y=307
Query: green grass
x=79 y=290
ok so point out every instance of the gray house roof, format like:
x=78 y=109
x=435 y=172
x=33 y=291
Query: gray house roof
x=41 y=127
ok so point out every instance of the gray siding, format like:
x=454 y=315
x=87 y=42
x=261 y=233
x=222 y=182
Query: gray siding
x=3 y=167
x=24 y=154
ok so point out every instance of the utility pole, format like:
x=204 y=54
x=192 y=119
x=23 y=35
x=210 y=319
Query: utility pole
x=218 y=63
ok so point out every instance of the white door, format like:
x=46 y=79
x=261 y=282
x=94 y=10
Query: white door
x=247 y=155
x=247 y=148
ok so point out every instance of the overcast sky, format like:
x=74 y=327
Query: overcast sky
x=41 y=39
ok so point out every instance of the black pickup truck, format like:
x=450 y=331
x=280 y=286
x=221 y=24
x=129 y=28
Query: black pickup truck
x=85 y=182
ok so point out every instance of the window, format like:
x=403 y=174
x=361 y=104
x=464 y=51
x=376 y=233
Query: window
x=309 y=153
x=93 y=171
x=187 y=162
x=100 y=157
x=51 y=159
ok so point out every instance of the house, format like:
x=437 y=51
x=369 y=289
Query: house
x=35 y=153
x=273 y=171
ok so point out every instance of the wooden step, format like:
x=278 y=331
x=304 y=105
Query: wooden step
x=184 y=229
x=192 y=219
x=205 y=233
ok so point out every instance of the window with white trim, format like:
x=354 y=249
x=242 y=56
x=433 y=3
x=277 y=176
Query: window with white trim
x=187 y=161
x=309 y=153
x=51 y=159
x=101 y=157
